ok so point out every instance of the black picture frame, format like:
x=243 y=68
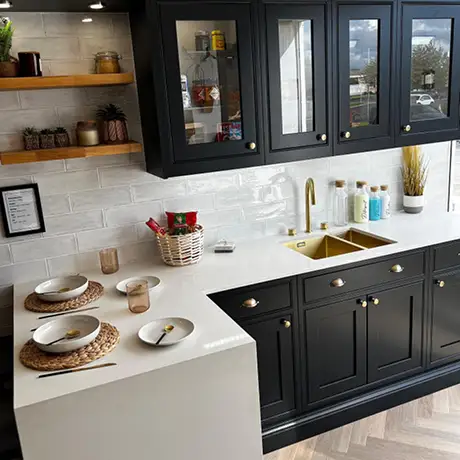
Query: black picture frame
x=9 y=233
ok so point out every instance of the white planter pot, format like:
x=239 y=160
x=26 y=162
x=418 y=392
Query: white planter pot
x=413 y=204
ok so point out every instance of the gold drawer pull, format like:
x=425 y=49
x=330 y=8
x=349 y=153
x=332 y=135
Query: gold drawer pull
x=396 y=268
x=363 y=303
x=286 y=323
x=339 y=282
x=374 y=300
x=440 y=283
x=250 y=303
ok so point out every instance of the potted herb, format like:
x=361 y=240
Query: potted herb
x=8 y=64
x=114 y=127
x=47 y=139
x=61 y=137
x=414 y=176
x=31 y=138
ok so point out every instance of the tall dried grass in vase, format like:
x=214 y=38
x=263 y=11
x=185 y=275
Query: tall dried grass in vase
x=414 y=175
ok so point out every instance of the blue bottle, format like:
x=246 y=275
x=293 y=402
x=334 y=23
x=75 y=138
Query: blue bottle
x=375 y=204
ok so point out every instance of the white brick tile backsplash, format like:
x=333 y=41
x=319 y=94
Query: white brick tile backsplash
x=55 y=204
x=11 y=142
x=71 y=25
x=70 y=116
x=212 y=183
x=50 y=48
x=73 y=263
x=138 y=252
x=62 y=97
x=5 y=256
x=80 y=164
x=124 y=175
x=220 y=218
x=19 y=273
x=51 y=184
x=9 y=100
x=72 y=223
x=190 y=203
x=43 y=247
x=106 y=237
x=124 y=215
x=42 y=167
x=89 y=47
x=159 y=190
x=27 y=25
x=14 y=121
x=15 y=181
x=69 y=67
x=100 y=198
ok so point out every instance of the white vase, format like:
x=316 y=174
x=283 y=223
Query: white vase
x=413 y=204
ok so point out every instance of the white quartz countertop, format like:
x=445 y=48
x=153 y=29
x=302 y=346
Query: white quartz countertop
x=183 y=293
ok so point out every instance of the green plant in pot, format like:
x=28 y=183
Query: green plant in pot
x=31 y=138
x=47 y=139
x=61 y=137
x=414 y=175
x=8 y=64
x=113 y=124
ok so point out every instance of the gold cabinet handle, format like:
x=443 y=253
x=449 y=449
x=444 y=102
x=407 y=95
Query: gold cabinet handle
x=252 y=146
x=286 y=323
x=337 y=283
x=250 y=303
x=346 y=134
x=322 y=137
x=396 y=268
x=440 y=283
x=363 y=303
x=374 y=300
x=406 y=128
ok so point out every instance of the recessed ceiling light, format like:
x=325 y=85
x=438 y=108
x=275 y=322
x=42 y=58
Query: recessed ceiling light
x=97 y=6
x=5 y=5
x=87 y=19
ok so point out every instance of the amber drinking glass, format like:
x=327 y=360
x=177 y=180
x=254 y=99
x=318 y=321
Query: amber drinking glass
x=109 y=261
x=138 y=296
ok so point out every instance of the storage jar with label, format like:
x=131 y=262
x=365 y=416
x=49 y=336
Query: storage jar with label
x=218 y=40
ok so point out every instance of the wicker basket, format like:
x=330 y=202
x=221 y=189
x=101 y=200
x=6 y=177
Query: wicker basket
x=182 y=250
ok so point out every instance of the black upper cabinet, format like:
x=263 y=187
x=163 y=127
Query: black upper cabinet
x=364 y=51
x=297 y=81
x=429 y=74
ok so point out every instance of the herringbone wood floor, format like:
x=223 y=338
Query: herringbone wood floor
x=425 y=429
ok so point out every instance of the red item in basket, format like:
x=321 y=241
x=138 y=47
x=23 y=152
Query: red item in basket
x=156 y=227
x=181 y=223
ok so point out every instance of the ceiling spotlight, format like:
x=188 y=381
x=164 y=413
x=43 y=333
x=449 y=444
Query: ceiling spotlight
x=97 y=6
x=5 y=4
x=87 y=19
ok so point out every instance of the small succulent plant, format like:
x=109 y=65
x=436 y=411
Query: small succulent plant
x=111 y=112
x=46 y=131
x=60 y=130
x=30 y=131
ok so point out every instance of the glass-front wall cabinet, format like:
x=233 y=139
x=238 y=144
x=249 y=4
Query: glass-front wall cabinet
x=210 y=81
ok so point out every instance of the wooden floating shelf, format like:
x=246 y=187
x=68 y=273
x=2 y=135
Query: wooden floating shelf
x=65 y=81
x=31 y=156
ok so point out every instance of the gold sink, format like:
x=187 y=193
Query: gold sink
x=323 y=247
x=366 y=240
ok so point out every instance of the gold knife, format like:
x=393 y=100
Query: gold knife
x=70 y=371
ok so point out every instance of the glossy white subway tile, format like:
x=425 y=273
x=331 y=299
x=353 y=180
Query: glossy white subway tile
x=134 y=213
x=43 y=247
x=55 y=205
x=51 y=184
x=100 y=198
x=73 y=263
x=106 y=237
x=73 y=223
x=159 y=190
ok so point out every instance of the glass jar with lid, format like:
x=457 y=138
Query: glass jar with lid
x=107 y=62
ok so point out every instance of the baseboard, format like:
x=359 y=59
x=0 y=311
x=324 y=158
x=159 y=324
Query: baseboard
x=325 y=419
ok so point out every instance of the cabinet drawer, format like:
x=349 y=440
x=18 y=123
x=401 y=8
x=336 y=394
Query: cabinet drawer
x=447 y=256
x=362 y=277
x=269 y=297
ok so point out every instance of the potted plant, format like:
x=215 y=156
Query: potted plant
x=114 y=128
x=47 y=139
x=61 y=137
x=8 y=64
x=414 y=176
x=31 y=138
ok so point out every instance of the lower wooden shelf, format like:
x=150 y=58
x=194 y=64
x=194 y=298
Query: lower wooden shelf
x=65 y=153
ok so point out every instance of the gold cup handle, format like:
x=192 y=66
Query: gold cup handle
x=337 y=283
x=250 y=303
x=396 y=268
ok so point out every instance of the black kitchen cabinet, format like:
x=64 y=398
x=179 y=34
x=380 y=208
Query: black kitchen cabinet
x=364 y=45
x=445 y=340
x=335 y=341
x=394 y=331
x=295 y=41
x=429 y=73
x=275 y=358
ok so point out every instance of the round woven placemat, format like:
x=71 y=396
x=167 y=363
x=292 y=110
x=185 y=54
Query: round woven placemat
x=31 y=356
x=94 y=291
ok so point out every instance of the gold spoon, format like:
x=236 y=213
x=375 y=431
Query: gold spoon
x=60 y=291
x=167 y=329
x=70 y=334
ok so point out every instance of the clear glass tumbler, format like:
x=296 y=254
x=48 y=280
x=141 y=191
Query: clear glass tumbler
x=138 y=296
x=109 y=261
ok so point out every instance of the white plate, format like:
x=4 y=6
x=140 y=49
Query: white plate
x=77 y=285
x=152 y=280
x=89 y=328
x=151 y=332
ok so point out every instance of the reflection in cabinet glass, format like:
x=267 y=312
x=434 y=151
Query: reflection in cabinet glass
x=208 y=59
x=295 y=48
x=430 y=61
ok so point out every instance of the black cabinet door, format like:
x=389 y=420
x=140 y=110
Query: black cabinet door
x=297 y=81
x=445 y=335
x=394 y=331
x=364 y=55
x=275 y=357
x=336 y=349
x=209 y=58
x=429 y=73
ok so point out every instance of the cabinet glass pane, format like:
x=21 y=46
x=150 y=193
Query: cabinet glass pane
x=296 y=67
x=208 y=58
x=430 y=65
x=364 y=72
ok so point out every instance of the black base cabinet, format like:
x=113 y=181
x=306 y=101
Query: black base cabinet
x=329 y=355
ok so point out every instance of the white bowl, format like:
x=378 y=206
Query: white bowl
x=151 y=332
x=89 y=328
x=153 y=281
x=76 y=285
